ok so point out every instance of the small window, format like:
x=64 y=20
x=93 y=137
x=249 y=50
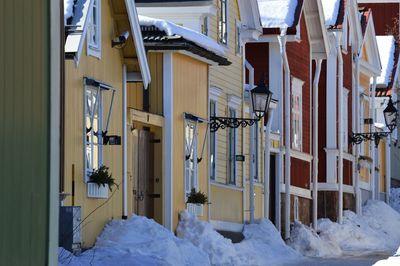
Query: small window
x=204 y=26
x=238 y=48
x=345 y=120
x=94 y=30
x=232 y=150
x=213 y=153
x=296 y=116
x=190 y=156
x=223 y=22
x=93 y=130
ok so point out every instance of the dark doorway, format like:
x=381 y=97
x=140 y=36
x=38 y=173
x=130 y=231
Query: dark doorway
x=272 y=191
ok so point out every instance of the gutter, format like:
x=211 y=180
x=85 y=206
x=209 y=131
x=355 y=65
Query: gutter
x=357 y=129
x=340 y=126
x=252 y=148
x=282 y=44
x=315 y=142
x=372 y=144
x=124 y=147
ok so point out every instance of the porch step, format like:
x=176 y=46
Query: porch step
x=236 y=237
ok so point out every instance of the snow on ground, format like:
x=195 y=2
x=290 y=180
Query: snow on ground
x=395 y=199
x=172 y=29
x=137 y=241
x=377 y=230
x=331 y=10
x=386 y=47
x=277 y=13
x=391 y=261
x=262 y=245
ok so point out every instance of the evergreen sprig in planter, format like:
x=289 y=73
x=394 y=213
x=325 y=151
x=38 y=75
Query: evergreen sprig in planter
x=100 y=182
x=195 y=202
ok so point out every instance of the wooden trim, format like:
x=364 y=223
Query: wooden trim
x=146 y=118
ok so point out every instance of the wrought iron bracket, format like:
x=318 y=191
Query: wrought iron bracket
x=217 y=122
x=358 y=138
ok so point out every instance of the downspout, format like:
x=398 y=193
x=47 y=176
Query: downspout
x=387 y=165
x=340 y=126
x=282 y=43
x=124 y=147
x=372 y=144
x=252 y=148
x=267 y=149
x=315 y=141
x=357 y=129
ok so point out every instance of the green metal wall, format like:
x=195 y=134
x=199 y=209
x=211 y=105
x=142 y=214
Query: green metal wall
x=24 y=131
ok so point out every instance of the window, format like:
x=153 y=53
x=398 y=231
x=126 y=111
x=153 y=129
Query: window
x=223 y=22
x=296 y=118
x=204 y=26
x=361 y=121
x=93 y=129
x=238 y=48
x=213 y=112
x=345 y=120
x=190 y=156
x=94 y=31
x=232 y=150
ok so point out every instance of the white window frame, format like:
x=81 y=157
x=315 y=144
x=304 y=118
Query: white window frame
x=361 y=121
x=91 y=164
x=297 y=91
x=191 y=148
x=238 y=41
x=94 y=47
x=213 y=144
x=221 y=22
x=234 y=103
x=214 y=94
x=345 y=120
x=205 y=26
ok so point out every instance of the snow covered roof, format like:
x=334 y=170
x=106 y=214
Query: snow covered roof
x=68 y=9
x=172 y=29
x=277 y=13
x=331 y=11
x=386 y=47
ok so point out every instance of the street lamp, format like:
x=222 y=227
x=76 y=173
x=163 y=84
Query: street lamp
x=260 y=97
x=390 y=114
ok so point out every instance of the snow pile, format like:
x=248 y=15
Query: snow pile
x=68 y=9
x=377 y=230
x=137 y=241
x=386 y=47
x=391 y=261
x=277 y=13
x=172 y=29
x=395 y=198
x=331 y=10
x=262 y=245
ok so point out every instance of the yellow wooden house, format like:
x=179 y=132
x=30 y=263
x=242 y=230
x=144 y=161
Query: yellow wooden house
x=103 y=47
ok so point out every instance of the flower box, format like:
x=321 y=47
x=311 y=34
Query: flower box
x=195 y=208
x=96 y=191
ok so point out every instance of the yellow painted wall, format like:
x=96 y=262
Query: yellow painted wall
x=74 y=130
x=190 y=81
x=365 y=83
x=382 y=165
x=226 y=204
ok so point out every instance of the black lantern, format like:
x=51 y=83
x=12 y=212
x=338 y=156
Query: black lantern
x=390 y=114
x=261 y=98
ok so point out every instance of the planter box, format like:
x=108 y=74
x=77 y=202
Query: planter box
x=96 y=191
x=195 y=208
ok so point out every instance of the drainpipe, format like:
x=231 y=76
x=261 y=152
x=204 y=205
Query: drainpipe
x=387 y=165
x=357 y=129
x=315 y=141
x=372 y=144
x=340 y=126
x=282 y=43
x=267 y=153
x=124 y=147
x=252 y=148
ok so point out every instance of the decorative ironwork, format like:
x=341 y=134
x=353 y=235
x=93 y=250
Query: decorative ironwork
x=358 y=138
x=217 y=122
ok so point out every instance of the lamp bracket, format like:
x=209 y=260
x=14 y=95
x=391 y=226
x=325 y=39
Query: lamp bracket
x=217 y=122
x=358 y=138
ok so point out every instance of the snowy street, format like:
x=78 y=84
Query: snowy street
x=348 y=261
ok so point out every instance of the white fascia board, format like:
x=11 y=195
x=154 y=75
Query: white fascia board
x=369 y=69
x=250 y=18
x=138 y=41
x=181 y=11
x=274 y=38
x=75 y=40
x=298 y=191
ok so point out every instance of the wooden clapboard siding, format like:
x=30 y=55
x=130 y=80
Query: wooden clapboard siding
x=384 y=16
x=156 y=86
x=25 y=132
x=226 y=204
x=365 y=83
x=381 y=165
x=190 y=92
x=135 y=95
x=108 y=69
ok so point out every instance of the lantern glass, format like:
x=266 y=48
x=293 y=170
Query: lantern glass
x=390 y=114
x=261 y=98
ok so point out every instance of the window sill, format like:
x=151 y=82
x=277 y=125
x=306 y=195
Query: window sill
x=227 y=186
x=93 y=51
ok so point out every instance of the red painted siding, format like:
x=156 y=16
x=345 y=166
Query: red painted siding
x=384 y=15
x=347 y=83
x=322 y=124
x=347 y=172
x=300 y=173
x=258 y=56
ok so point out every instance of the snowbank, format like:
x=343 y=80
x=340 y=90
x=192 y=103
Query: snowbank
x=386 y=47
x=377 y=230
x=263 y=244
x=331 y=10
x=395 y=199
x=391 y=261
x=277 y=13
x=137 y=241
x=172 y=29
